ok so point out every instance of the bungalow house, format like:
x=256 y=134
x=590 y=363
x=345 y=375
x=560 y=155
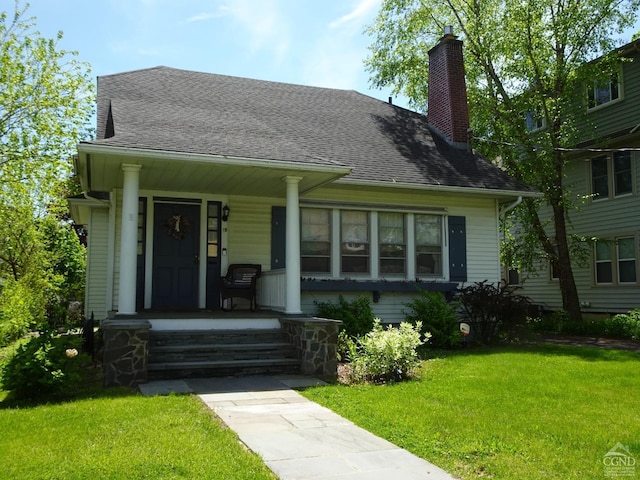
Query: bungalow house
x=604 y=171
x=329 y=191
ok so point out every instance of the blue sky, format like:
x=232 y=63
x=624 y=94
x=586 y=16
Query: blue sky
x=309 y=42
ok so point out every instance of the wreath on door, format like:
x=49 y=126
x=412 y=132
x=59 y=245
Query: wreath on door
x=177 y=226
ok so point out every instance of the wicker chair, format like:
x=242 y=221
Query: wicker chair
x=240 y=282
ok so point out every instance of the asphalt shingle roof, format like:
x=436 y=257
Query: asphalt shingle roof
x=183 y=111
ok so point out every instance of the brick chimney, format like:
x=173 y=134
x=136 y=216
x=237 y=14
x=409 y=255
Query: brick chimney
x=448 y=111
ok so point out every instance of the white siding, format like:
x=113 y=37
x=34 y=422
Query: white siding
x=250 y=230
x=390 y=308
x=97 y=259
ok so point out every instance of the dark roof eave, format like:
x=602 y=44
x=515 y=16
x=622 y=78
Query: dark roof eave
x=327 y=166
x=495 y=192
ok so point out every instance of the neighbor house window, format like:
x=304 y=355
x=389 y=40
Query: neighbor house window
x=553 y=271
x=604 y=264
x=513 y=276
x=626 y=253
x=603 y=90
x=533 y=120
x=622 y=173
x=393 y=245
x=600 y=177
x=615 y=261
x=428 y=245
x=354 y=241
x=611 y=176
x=315 y=242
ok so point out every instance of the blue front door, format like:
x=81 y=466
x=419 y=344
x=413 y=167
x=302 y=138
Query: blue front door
x=176 y=250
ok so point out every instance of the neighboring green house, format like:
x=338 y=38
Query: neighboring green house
x=606 y=174
x=330 y=191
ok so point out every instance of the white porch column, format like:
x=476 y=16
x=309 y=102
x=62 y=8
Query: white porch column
x=129 y=240
x=292 y=276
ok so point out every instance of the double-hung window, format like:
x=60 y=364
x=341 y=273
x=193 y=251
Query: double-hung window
x=315 y=240
x=604 y=263
x=615 y=261
x=533 y=120
x=603 y=90
x=611 y=176
x=622 y=182
x=393 y=245
x=354 y=242
x=428 y=245
x=626 y=256
x=341 y=243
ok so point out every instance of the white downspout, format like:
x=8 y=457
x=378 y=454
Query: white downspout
x=503 y=211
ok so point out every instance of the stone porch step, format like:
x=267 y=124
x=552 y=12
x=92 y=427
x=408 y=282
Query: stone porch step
x=220 y=368
x=228 y=351
x=215 y=337
x=198 y=353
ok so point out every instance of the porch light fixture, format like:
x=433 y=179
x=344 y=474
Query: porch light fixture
x=225 y=213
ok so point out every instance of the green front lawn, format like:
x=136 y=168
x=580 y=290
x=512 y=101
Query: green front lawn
x=511 y=413
x=121 y=435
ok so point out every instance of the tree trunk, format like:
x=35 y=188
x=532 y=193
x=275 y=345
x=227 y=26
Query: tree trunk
x=568 y=289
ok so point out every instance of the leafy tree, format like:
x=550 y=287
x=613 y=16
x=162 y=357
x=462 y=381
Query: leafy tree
x=521 y=56
x=46 y=100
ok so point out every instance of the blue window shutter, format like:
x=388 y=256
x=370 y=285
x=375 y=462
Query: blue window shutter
x=457 y=249
x=278 y=237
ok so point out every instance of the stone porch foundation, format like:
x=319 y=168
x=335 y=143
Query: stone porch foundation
x=316 y=340
x=125 y=359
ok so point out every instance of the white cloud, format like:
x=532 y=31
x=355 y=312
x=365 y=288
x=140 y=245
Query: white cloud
x=263 y=24
x=362 y=9
x=333 y=64
x=203 y=16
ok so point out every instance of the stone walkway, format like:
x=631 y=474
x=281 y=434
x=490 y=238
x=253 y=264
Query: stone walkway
x=297 y=438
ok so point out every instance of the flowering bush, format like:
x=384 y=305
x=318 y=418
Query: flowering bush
x=387 y=354
x=46 y=365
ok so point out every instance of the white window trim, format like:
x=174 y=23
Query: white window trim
x=615 y=266
x=610 y=102
x=374 y=257
x=533 y=112
x=611 y=174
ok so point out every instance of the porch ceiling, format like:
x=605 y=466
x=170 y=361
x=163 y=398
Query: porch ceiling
x=100 y=169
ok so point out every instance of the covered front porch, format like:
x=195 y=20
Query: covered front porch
x=173 y=222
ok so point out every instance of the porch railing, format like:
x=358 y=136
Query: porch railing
x=272 y=290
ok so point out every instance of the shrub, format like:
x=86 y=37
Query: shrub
x=22 y=306
x=494 y=311
x=387 y=355
x=46 y=365
x=624 y=325
x=437 y=317
x=356 y=315
x=346 y=348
